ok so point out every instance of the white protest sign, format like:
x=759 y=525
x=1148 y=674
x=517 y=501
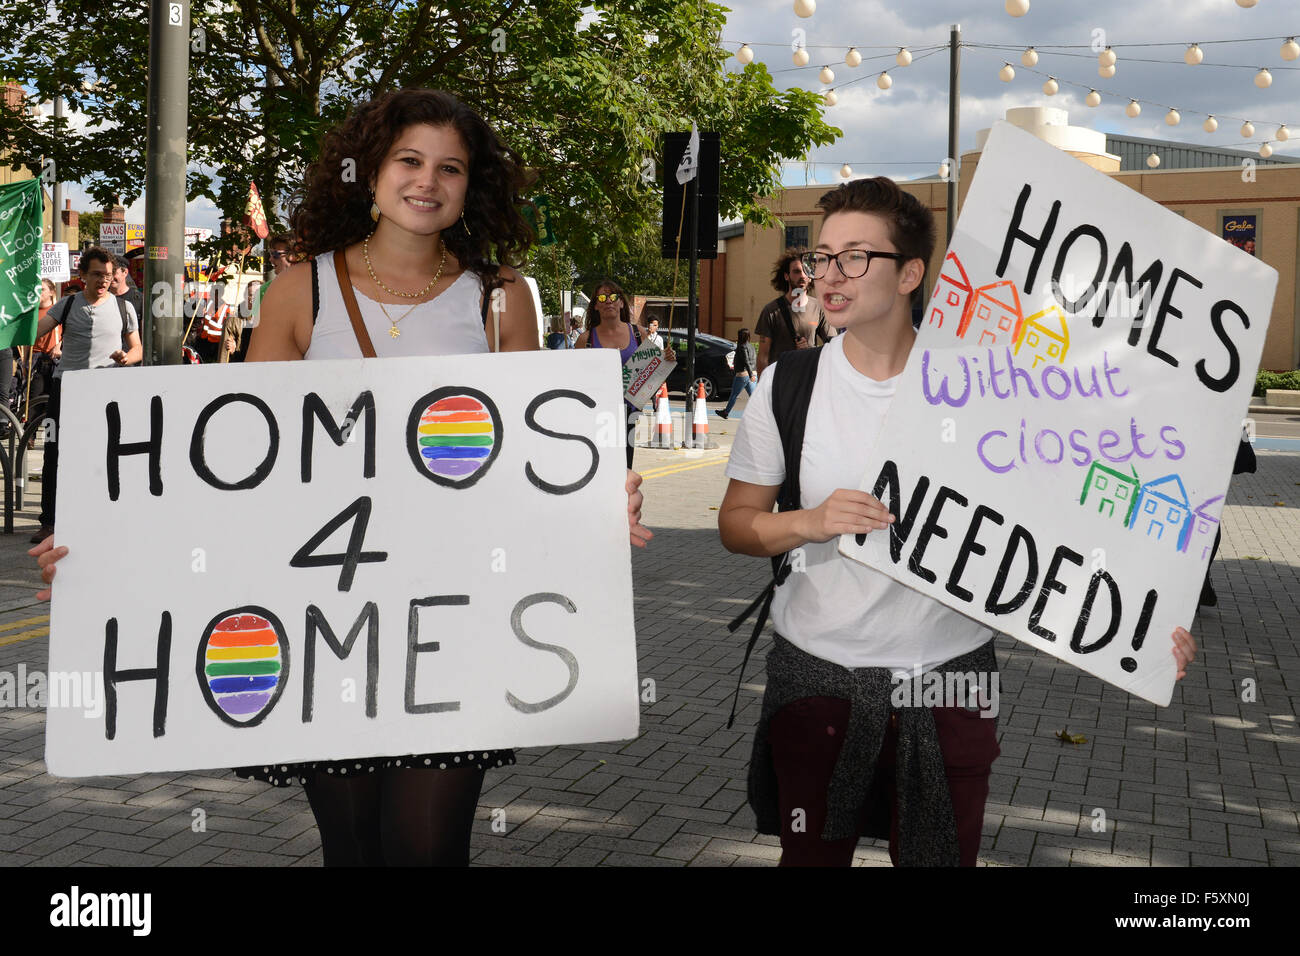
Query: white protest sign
x=1061 y=441
x=321 y=560
x=55 y=264
x=643 y=373
x=112 y=236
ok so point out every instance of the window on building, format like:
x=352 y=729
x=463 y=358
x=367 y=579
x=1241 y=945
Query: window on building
x=796 y=236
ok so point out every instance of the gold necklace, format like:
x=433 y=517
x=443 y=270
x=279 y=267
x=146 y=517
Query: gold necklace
x=393 y=329
x=365 y=252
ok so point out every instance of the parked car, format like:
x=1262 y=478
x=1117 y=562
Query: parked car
x=714 y=358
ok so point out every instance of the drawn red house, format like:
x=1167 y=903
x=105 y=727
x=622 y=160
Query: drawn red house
x=994 y=316
x=952 y=294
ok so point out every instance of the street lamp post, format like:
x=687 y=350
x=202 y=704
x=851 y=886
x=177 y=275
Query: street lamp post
x=166 y=154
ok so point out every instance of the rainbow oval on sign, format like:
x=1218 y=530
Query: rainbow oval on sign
x=243 y=664
x=453 y=435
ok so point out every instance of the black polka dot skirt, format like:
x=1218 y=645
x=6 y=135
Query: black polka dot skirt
x=286 y=774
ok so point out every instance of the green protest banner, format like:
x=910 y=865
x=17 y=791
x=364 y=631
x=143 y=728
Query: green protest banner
x=540 y=220
x=20 y=261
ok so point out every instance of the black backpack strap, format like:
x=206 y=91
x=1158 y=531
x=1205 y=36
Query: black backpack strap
x=67 y=307
x=315 y=291
x=121 y=309
x=791 y=393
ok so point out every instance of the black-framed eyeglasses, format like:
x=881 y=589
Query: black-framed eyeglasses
x=853 y=263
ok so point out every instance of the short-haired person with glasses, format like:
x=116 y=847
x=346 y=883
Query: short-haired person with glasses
x=793 y=320
x=834 y=757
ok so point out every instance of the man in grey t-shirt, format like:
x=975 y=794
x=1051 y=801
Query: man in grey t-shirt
x=99 y=331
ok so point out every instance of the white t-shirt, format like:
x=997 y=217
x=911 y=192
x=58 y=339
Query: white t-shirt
x=837 y=609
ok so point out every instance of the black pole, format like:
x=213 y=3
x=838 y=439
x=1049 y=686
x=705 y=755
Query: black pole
x=692 y=312
x=56 y=225
x=165 y=158
x=954 y=111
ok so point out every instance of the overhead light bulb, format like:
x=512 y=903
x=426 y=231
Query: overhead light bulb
x=829 y=98
x=1017 y=8
x=1029 y=57
x=1153 y=160
x=745 y=55
x=1093 y=98
x=827 y=75
x=1172 y=118
x=1247 y=129
x=846 y=171
x=1105 y=72
x=884 y=81
x=1051 y=87
x=800 y=57
x=1282 y=133
x=1194 y=55
x=852 y=58
x=1106 y=57
x=904 y=57
x=1263 y=79
x=1210 y=124
x=1006 y=74
x=1290 y=49
x=805 y=8
x=1265 y=151
x=1134 y=108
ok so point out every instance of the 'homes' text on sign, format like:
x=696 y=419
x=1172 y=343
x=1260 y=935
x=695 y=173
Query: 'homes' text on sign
x=1061 y=441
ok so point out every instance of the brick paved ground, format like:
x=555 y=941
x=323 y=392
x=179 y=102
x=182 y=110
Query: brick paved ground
x=1209 y=780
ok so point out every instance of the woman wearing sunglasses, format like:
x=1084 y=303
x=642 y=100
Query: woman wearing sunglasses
x=832 y=759
x=610 y=326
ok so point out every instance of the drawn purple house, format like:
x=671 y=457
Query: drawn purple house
x=1205 y=525
x=1162 y=506
x=1109 y=488
x=952 y=294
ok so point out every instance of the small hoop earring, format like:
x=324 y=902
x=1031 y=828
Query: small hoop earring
x=464 y=223
x=374 y=211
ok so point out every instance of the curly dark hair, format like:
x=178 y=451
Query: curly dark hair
x=781 y=269
x=334 y=211
x=609 y=285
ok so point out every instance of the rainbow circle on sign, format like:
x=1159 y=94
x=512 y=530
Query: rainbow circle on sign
x=243 y=664
x=453 y=435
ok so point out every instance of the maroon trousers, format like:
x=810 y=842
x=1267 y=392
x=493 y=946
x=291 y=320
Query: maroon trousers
x=806 y=738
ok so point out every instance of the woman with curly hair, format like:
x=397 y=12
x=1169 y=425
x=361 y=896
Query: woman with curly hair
x=416 y=243
x=611 y=310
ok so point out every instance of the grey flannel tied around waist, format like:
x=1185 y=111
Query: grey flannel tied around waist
x=927 y=830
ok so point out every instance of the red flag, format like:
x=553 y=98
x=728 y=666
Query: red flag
x=254 y=215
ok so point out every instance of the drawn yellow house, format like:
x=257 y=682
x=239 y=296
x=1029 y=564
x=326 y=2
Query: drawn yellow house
x=1046 y=336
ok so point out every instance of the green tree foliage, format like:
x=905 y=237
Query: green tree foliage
x=584 y=100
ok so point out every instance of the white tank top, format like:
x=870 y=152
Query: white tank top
x=451 y=323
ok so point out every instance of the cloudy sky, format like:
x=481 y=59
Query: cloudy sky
x=902 y=132
x=907 y=124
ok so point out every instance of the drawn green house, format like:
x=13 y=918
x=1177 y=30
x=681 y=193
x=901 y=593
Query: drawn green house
x=1112 y=490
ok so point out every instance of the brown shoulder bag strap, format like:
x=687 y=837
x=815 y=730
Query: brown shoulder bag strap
x=350 y=300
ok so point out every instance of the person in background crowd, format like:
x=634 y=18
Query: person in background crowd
x=653 y=336
x=610 y=312
x=743 y=367
x=575 y=330
x=100 y=330
x=247 y=318
x=792 y=320
x=124 y=286
x=45 y=353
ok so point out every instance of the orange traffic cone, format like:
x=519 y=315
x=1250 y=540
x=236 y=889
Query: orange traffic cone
x=700 y=423
x=663 y=419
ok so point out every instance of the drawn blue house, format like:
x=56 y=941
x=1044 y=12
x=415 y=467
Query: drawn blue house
x=1111 y=489
x=1162 y=507
x=1205 y=524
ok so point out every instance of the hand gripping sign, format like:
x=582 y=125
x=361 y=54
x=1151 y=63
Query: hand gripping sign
x=321 y=560
x=1059 y=447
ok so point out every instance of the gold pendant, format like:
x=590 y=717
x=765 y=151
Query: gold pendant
x=394 y=332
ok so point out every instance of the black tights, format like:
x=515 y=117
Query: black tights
x=396 y=817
